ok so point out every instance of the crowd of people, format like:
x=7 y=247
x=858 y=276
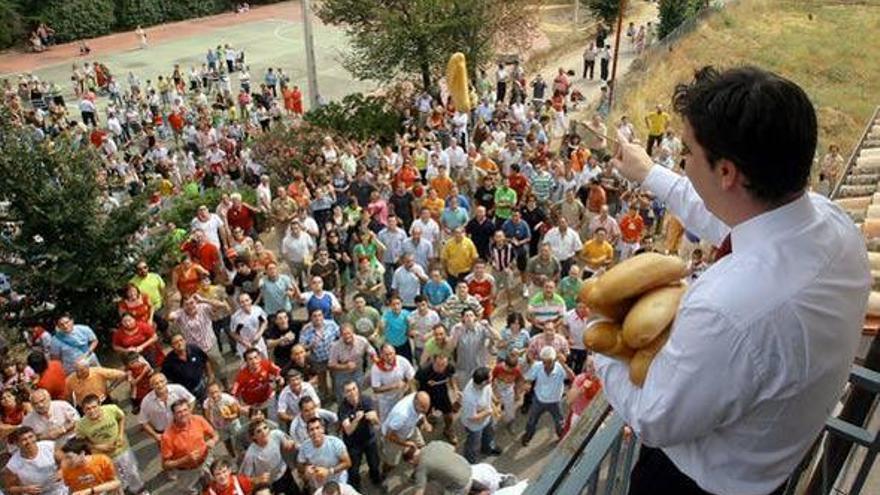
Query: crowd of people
x=429 y=281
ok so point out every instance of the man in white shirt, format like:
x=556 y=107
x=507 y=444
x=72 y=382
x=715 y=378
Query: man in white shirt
x=155 y=415
x=53 y=420
x=763 y=341
x=296 y=249
x=564 y=243
x=407 y=281
x=292 y=394
x=209 y=223
x=477 y=411
x=428 y=226
x=390 y=379
x=402 y=429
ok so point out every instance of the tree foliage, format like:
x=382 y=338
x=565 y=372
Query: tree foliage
x=606 y=10
x=675 y=12
x=392 y=38
x=67 y=250
x=359 y=117
x=288 y=149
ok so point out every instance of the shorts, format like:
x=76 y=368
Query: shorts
x=393 y=452
x=505 y=279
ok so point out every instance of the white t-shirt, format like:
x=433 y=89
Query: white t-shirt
x=211 y=227
x=430 y=229
x=250 y=323
x=576 y=327
x=41 y=470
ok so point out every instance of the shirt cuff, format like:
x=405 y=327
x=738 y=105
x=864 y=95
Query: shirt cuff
x=660 y=181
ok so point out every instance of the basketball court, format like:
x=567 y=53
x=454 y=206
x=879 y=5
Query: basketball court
x=271 y=36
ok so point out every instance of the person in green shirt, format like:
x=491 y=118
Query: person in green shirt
x=364 y=318
x=150 y=284
x=104 y=428
x=505 y=200
x=570 y=287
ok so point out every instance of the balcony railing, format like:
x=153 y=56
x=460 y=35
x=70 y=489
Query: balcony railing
x=598 y=454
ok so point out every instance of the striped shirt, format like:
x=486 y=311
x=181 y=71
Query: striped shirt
x=545 y=310
x=542 y=185
x=502 y=257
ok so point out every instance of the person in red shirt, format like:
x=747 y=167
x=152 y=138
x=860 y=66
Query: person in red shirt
x=482 y=286
x=136 y=303
x=241 y=214
x=507 y=381
x=51 y=374
x=224 y=482
x=203 y=252
x=296 y=97
x=137 y=336
x=584 y=387
x=255 y=383
x=632 y=227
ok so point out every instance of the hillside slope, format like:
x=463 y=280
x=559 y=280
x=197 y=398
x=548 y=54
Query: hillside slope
x=828 y=47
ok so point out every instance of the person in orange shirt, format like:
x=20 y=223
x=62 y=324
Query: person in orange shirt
x=442 y=183
x=434 y=203
x=85 y=473
x=407 y=175
x=596 y=197
x=187 y=444
x=579 y=157
x=517 y=181
x=187 y=276
x=632 y=227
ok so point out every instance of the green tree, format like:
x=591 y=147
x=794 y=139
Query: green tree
x=68 y=250
x=390 y=38
x=675 y=12
x=606 y=10
x=358 y=117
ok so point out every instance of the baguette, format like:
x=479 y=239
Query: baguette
x=601 y=336
x=651 y=315
x=635 y=276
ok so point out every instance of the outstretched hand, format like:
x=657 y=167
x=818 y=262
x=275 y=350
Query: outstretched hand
x=631 y=160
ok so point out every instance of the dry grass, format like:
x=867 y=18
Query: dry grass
x=834 y=56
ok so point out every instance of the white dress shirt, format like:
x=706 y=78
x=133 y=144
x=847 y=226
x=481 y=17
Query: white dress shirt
x=761 y=346
x=157 y=412
x=564 y=246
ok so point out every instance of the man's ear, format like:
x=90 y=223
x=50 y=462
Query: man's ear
x=728 y=174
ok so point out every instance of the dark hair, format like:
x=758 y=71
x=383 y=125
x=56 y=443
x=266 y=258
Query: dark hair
x=331 y=488
x=306 y=399
x=481 y=375
x=218 y=464
x=91 y=399
x=77 y=446
x=763 y=123
x=179 y=402
x=37 y=362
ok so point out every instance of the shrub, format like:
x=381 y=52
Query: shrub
x=11 y=27
x=286 y=149
x=179 y=10
x=75 y=19
x=358 y=117
x=132 y=13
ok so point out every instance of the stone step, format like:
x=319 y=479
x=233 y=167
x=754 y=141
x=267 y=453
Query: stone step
x=850 y=191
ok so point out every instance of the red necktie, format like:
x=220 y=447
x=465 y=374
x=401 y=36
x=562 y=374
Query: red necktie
x=724 y=248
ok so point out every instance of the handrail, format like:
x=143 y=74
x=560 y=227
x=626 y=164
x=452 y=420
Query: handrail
x=854 y=154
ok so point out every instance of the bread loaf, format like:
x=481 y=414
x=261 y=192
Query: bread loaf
x=651 y=315
x=601 y=336
x=635 y=276
x=642 y=359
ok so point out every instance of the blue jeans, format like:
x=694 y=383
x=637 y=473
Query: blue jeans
x=484 y=437
x=536 y=410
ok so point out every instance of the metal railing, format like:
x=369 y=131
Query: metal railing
x=855 y=153
x=595 y=457
x=598 y=454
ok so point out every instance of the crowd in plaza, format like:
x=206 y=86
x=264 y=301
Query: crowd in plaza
x=387 y=291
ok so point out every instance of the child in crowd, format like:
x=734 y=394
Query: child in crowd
x=223 y=411
x=507 y=380
x=139 y=371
